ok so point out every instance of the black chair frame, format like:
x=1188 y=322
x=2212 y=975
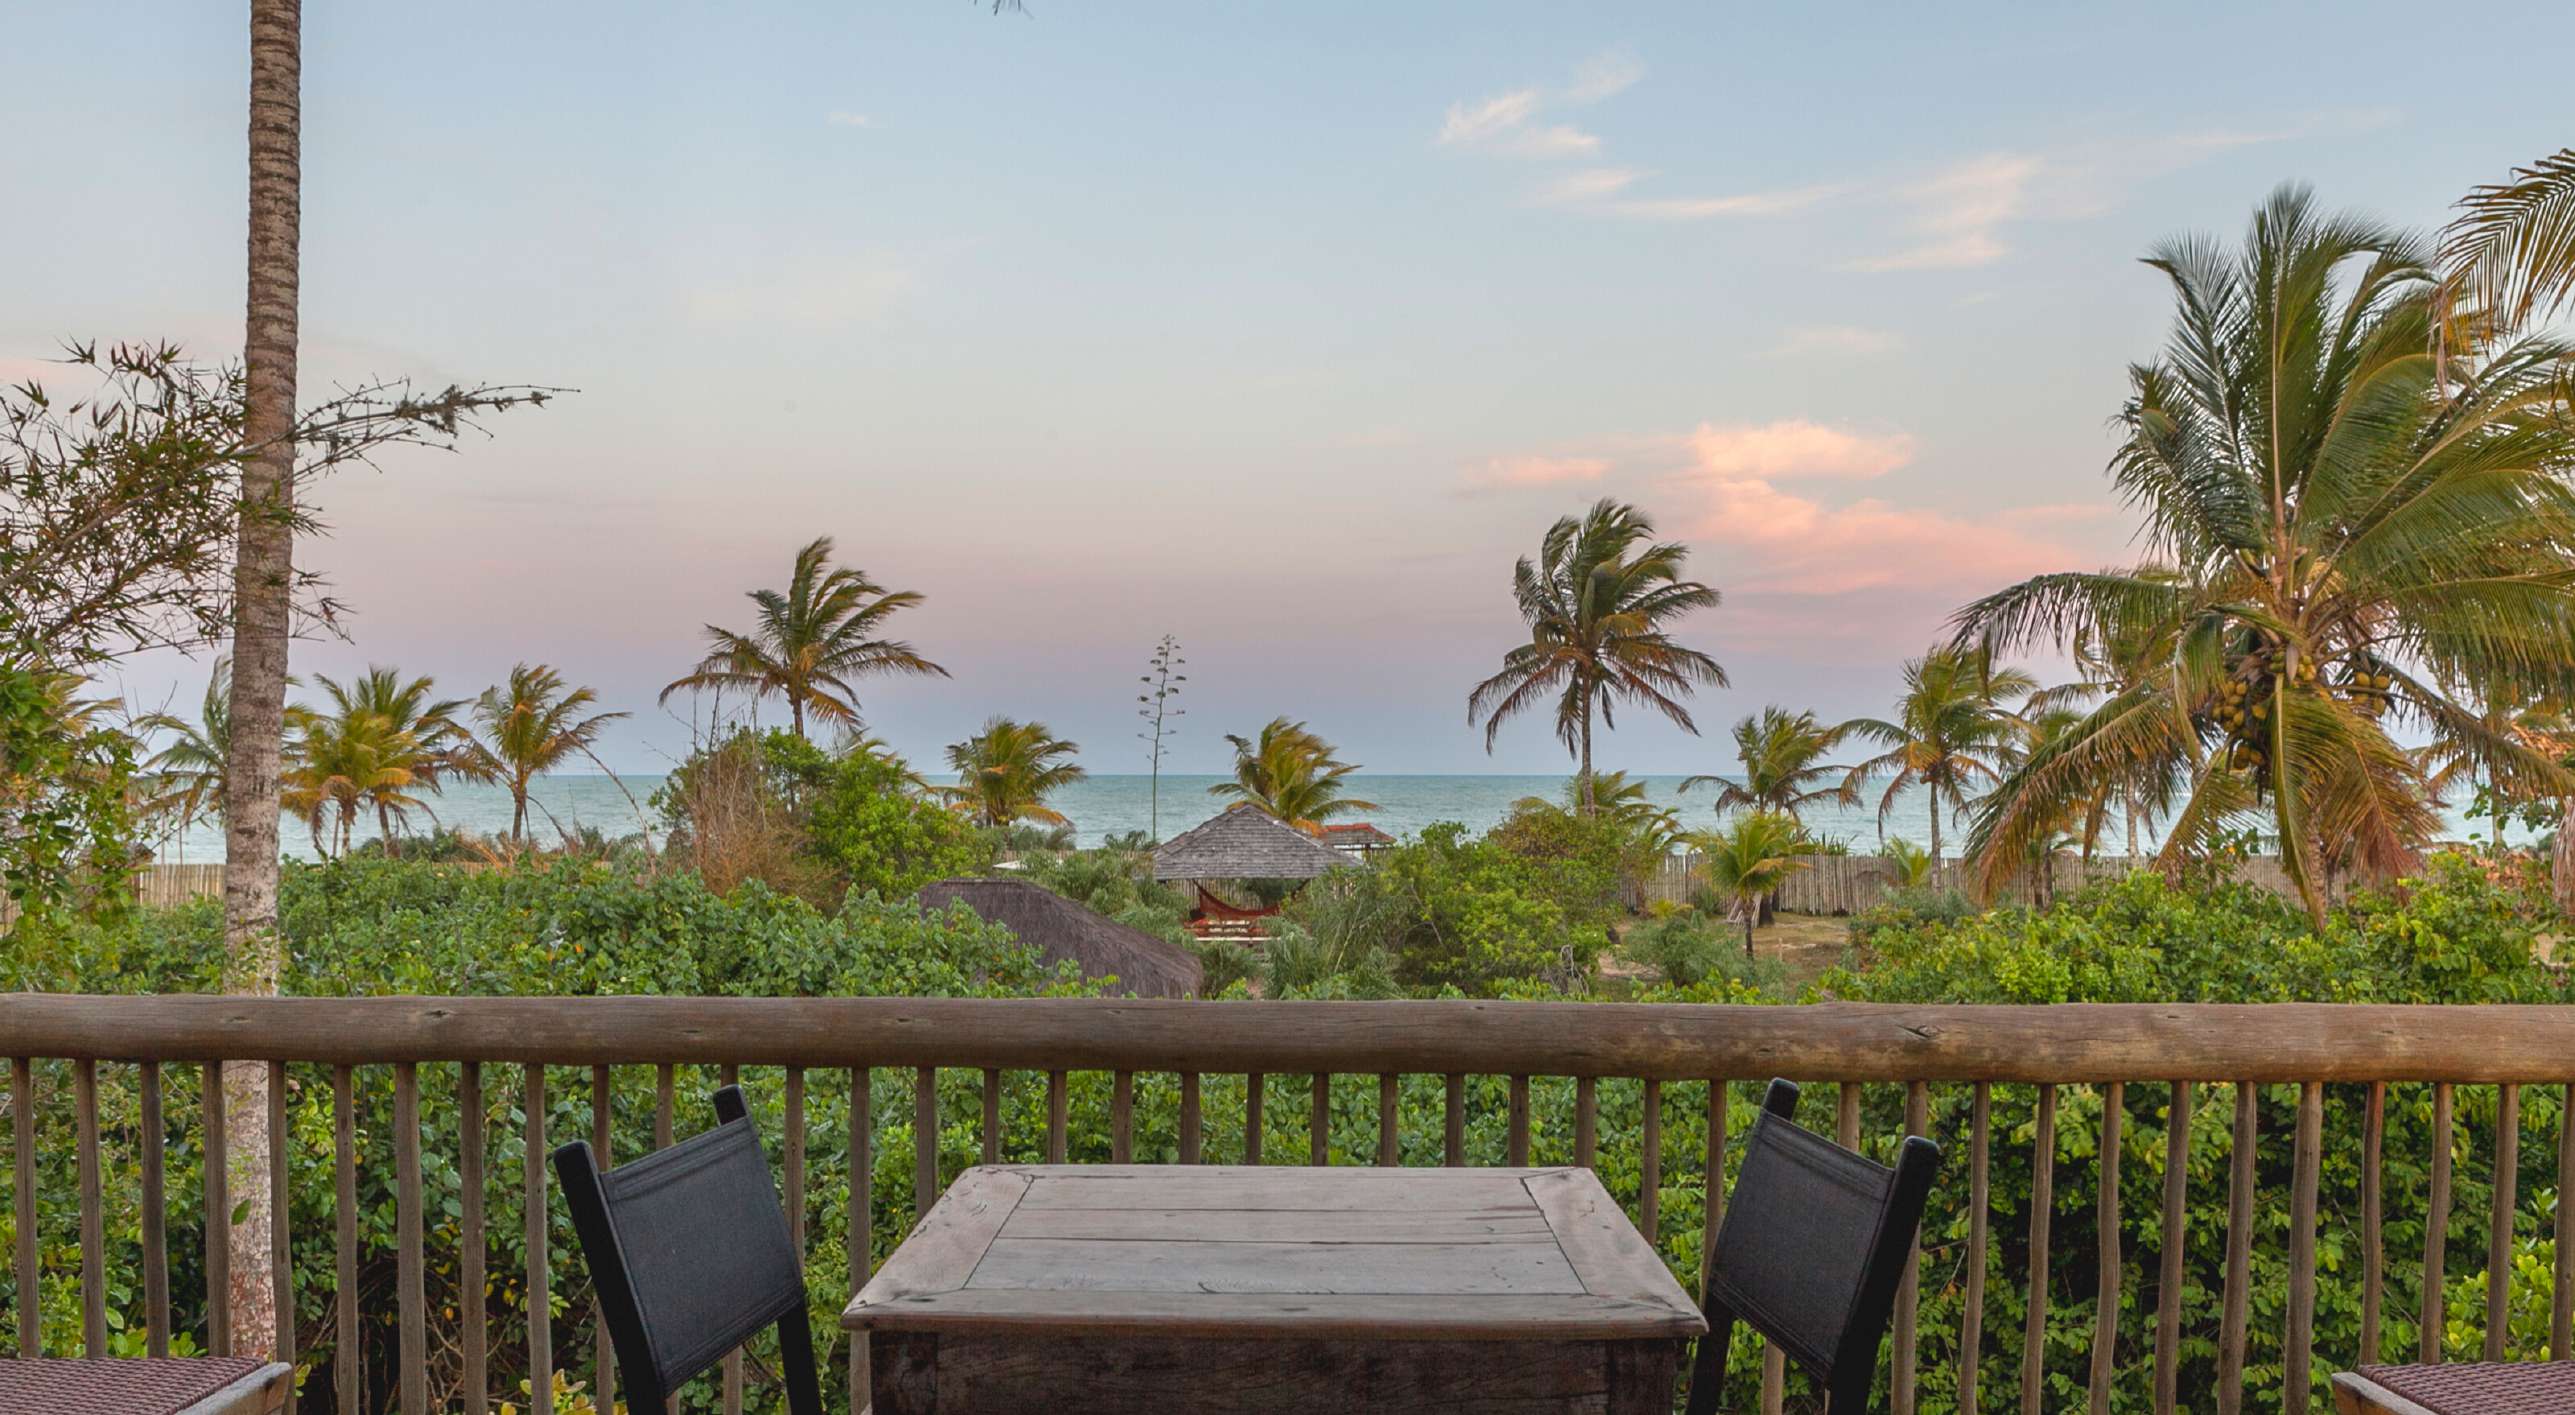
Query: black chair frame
x=676 y=1297
x=1841 y=1354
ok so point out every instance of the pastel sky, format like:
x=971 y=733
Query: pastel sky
x=1281 y=328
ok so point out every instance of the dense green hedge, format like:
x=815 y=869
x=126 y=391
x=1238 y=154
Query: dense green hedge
x=375 y=927
x=2455 y=938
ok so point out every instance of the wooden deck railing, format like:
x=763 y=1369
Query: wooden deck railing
x=1958 y=1055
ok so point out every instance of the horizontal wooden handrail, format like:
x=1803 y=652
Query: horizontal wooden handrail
x=2069 y=1043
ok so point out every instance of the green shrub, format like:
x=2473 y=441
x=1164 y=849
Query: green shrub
x=775 y=808
x=1684 y=947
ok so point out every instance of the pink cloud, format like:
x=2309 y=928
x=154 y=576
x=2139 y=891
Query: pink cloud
x=1794 y=544
x=1537 y=471
x=1795 y=448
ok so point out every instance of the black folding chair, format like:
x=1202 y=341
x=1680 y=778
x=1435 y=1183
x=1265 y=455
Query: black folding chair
x=1815 y=1240
x=689 y=1250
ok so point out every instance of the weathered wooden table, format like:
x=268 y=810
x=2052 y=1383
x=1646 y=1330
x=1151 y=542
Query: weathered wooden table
x=1223 y=1291
x=2472 y=1388
x=231 y=1385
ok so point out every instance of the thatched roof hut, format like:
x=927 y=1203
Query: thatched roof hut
x=1144 y=965
x=1244 y=843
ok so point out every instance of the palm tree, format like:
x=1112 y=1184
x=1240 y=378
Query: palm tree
x=381 y=739
x=187 y=776
x=1950 y=733
x=1597 y=599
x=529 y=725
x=1749 y=863
x=811 y=642
x=1290 y=773
x=1783 y=769
x=262 y=614
x=1910 y=863
x=2509 y=257
x=2337 y=529
x=1006 y=771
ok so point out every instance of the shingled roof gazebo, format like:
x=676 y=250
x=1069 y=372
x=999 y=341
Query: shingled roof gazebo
x=1242 y=843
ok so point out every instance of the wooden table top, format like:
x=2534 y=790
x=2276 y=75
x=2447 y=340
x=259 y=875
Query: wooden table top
x=1273 y=1251
x=2468 y=1388
x=202 y=1385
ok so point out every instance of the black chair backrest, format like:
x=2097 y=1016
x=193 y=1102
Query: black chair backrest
x=691 y=1256
x=1815 y=1240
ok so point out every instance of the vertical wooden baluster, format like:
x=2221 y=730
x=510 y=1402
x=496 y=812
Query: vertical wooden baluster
x=665 y=1094
x=1586 y=1120
x=2436 y=1229
x=2105 y=1314
x=215 y=1151
x=1318 y=1124
x=1122 y=1117
x=93 y=1223
x=22 y=1165
x=2507 y=1184
x=1516 y=1152
x=1846 y=1115
x=1908 y=1293
x=2042 y=1211
x=1058 y=1115
x=1255 y=1094
x=2561 y=1306
x=2373 y=1213
x=1453 y=1126
x=1649 y=1162
x=731 y=1075
x=603 y=1375
x=2299 y=1355
x=992 y=1115
x=1190 y=1118
x=540 y=1278
x=281 y=1238
x=411 y=1273
x=1714 y=1202
x=1971 y=1325
x=156 y=1222
x=473 y=1299
x=2175 y=1237
x=1389 y=1147
x=794 y=1162
x=2239 y=1251
x=925 y=1141
x=345 y=1352
x=862 y=1232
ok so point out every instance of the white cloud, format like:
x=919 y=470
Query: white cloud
x=1555 y=140
x=1604 y=75
x=1839 y=339
x=1467 y=125
x=1794 y=447
x=843 y=118
x=1957 y=213
x=1771 y=203
x=1590 y=184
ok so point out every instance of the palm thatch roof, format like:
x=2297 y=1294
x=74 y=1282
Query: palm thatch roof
x=1244 y=843
x=1145 y=966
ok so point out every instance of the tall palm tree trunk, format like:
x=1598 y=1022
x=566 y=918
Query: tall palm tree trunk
x=1584 y=767
x=1935 y=841
x=263 y=595
x=2562 y=863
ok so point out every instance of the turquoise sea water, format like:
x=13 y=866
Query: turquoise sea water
x=1111 y=805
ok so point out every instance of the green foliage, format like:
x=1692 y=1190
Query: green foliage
x=1477 y=913
x=775 y=808
x=2453 y=937
x=377 y=927
x=66 y=813
x=1684 y=947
